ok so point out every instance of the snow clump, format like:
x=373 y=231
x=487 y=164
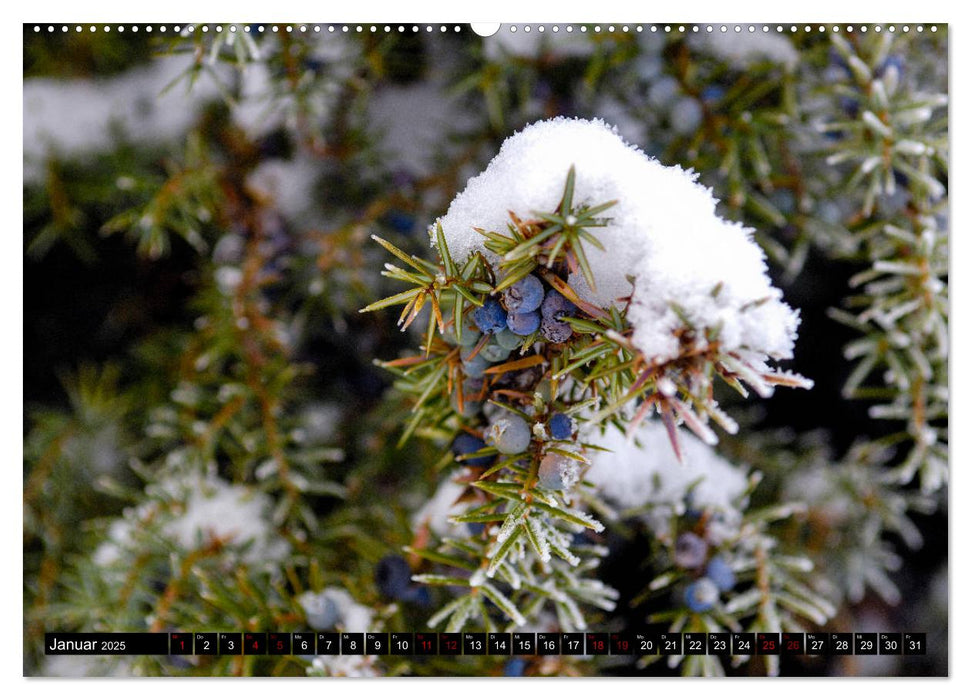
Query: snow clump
x=742 y=49
x=646 y=472
x=437 y=512
x=688 y=264
x=198 y=512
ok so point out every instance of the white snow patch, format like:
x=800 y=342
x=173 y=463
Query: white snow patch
x=411 y=120
x=194 y=512
x=663 y=231
x=231 y=513
x=344 y=666
x=77 y=116
x=745 y=48
x=646 y=472
x=435 y=513
x=534 y=44
x=350 y=616
x=715 y=274
x=319 y=421
x=288 y=184
x=68 y=666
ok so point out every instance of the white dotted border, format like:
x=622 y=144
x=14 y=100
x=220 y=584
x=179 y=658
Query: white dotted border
x=442 y=28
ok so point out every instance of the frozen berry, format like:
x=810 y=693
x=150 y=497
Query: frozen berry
x=471 y=396
x=465 y=444
x=393 y=576
x=712 y=93
x=561 y=426
x=509 y=434
x=720 y=573
x=470 y=332
x=475 y=529
x=493 y=352
x=525 y=295
x=469 y=406
x=472 y=386
x=690 y=551
x=322 y=611
x=555 y=306
x=507 y=339
x=555 y=331
x=400 y=221
x=490 y=317
x=701 y=595
x=523 y=323
x=558 y=473
x=476 y=366
x=418 y=595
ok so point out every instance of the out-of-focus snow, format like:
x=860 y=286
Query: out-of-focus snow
x=289 y=184
x=343 y=666
x=69 y=666
x=72 y=117
x=411 y=119
x=350 y=615
x=646 y=472
x=231 y=513
x=156 y=103
x=261 y=109
x=196 y=512
x=742 y=49
x=533 y=44
x=435 y=513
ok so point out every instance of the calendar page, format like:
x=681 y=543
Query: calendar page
x=469 y=350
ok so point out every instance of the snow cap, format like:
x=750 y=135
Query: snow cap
x=663 y=232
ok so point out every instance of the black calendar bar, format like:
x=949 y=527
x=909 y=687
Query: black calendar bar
x=793 y=643
x=891 y=643
x=483 y=644
x=254 y=643
x=304 y=643
x=403 y=644
x=426 y=644
x=695 y=643
x=597 y=643
x=818 y=643
x=106 y=643
x=180 y=643
x=206 y=643
x=279 y=643
x=449 y=643
x=328 y=644
x=548 y=643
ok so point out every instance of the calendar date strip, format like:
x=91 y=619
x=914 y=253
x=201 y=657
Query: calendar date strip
x=483 y=644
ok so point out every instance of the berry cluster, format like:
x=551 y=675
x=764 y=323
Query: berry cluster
x=713 y=576
x=510 y=434
x=526 y=307
x=489 y=336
